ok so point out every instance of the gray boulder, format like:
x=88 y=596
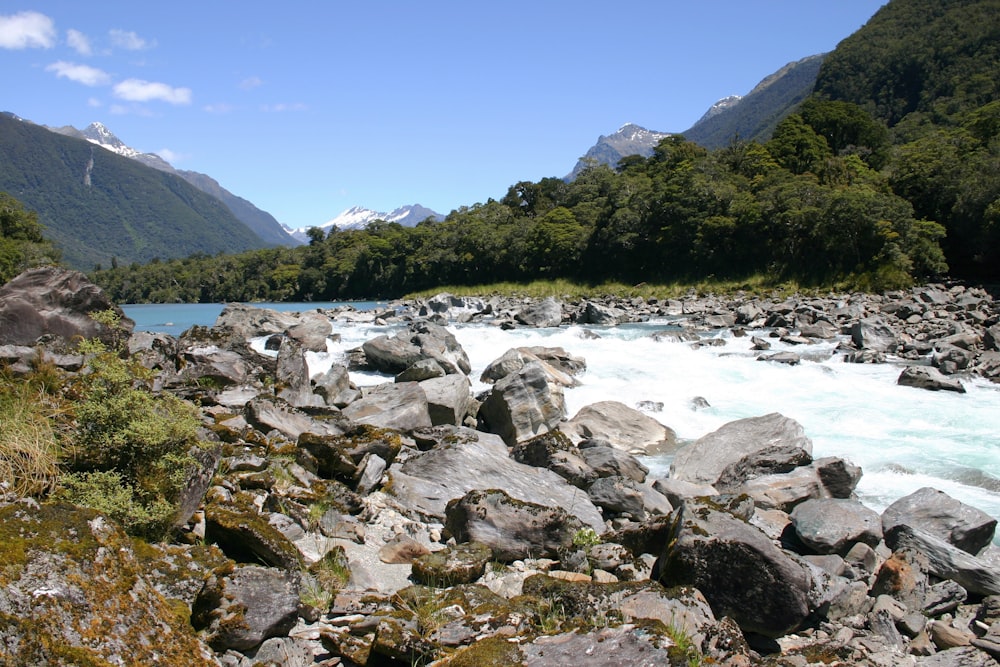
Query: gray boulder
x=553 y=450
x=448 y=398
x=212 y=367
x=607 y=460
x=251 y=322
x=544 y=313
x=422 y=340
x=743 y=449
x=874 y=334
x=50 y=301
x=926 y=377
x=595 y=313
x=559 y=365
x=311 y=331
x=401 y=405
x=335 y=387
x=623 y=427
x=241 y=609
x=469 y=460
x=946 y=561
x=939 y=514
x=512 y=529
x=267 y=416
x=523 y=405
x=617 y=496
x=834 y=525
x=292 y=376
x=737 y=567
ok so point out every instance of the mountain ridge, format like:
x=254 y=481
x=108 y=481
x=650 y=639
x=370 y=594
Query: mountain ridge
x=262 y=223
x=358 y=217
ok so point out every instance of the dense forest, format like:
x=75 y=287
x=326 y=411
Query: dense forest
x=885 y=175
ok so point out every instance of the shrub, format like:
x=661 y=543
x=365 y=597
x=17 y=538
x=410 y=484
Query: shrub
x=127 y=447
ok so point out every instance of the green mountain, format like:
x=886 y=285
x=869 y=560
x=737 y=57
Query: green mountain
x=755 y=116
x=100 y=208
x=935 y=58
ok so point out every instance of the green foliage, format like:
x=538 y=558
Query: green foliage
x=127 y=449
x=21 y=243
x=585 y=538
x=101 y=208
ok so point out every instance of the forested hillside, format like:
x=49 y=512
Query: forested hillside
x=886 y=175
x=100 y=208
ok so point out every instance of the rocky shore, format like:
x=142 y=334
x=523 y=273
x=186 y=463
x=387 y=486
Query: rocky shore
x=416 y=523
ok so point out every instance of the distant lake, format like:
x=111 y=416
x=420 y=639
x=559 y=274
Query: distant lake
x=175 y=318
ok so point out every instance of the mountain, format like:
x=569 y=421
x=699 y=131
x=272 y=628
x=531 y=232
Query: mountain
x=755 y=115
x=262 y=223
x=101 y=208
x=630 y=139
x=358 y=217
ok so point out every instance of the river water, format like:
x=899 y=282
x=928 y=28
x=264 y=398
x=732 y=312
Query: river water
x=903 y=438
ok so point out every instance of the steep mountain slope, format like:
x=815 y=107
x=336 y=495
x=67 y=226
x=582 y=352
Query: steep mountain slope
x=934 y=57
x=358 y=217
x=262 y=223
x=630 y=139
x=756 y=115
x=100 y=208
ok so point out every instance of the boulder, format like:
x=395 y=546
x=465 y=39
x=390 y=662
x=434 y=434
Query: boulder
x=467 y=460
x=737 y=567
x=74 y=591
x=601 y=315
x=926 y=377
x=50 y=301
x=946 y=561
x=874 y=334
x=623 y=427
x=522 y=405
x=617 y=496
x=210 y=366
x=422 y=340
x=335 y=387
x=834 y=525
x=544 y=313
x=512 y=529
x=607 y=460
x=247 y=537
x=451 y=306
x=454 y=565
x=311 y=332
x=553 y=450
x=402 y=406
x=292 y=376
x=448 y=398
x=267 y=415
x=741 y=450
x=939 y=514
x=559 y=366
x=241 y=609
x=251 y=322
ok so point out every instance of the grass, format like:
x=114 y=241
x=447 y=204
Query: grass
x=29 y=449
x=565 y=289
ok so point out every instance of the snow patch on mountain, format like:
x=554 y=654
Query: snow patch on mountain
x=358 y=217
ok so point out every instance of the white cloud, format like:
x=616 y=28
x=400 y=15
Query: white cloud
x=79 y=42
x=251 y=83
x=137 y=90
x=94 y=103
x=219 y=108
x=279 y=108
x=169 y=155
x=26 y=30
x=130 y=41
x=85 y=74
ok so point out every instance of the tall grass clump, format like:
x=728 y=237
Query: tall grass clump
x=29 y=448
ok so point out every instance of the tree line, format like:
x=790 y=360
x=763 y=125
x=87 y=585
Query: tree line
x=814 y=204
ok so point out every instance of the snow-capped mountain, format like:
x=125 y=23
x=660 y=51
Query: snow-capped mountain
x=630 y=139
x=260 y=222
x=720 y=106
x=358 y=217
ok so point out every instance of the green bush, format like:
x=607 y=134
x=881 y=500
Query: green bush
x=127 y=447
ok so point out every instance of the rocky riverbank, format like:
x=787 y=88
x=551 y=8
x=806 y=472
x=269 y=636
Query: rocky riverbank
x=416 y=523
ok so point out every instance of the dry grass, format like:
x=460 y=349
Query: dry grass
x=29 y=450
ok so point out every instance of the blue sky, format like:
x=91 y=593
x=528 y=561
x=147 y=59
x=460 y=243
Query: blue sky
x=308 y=108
